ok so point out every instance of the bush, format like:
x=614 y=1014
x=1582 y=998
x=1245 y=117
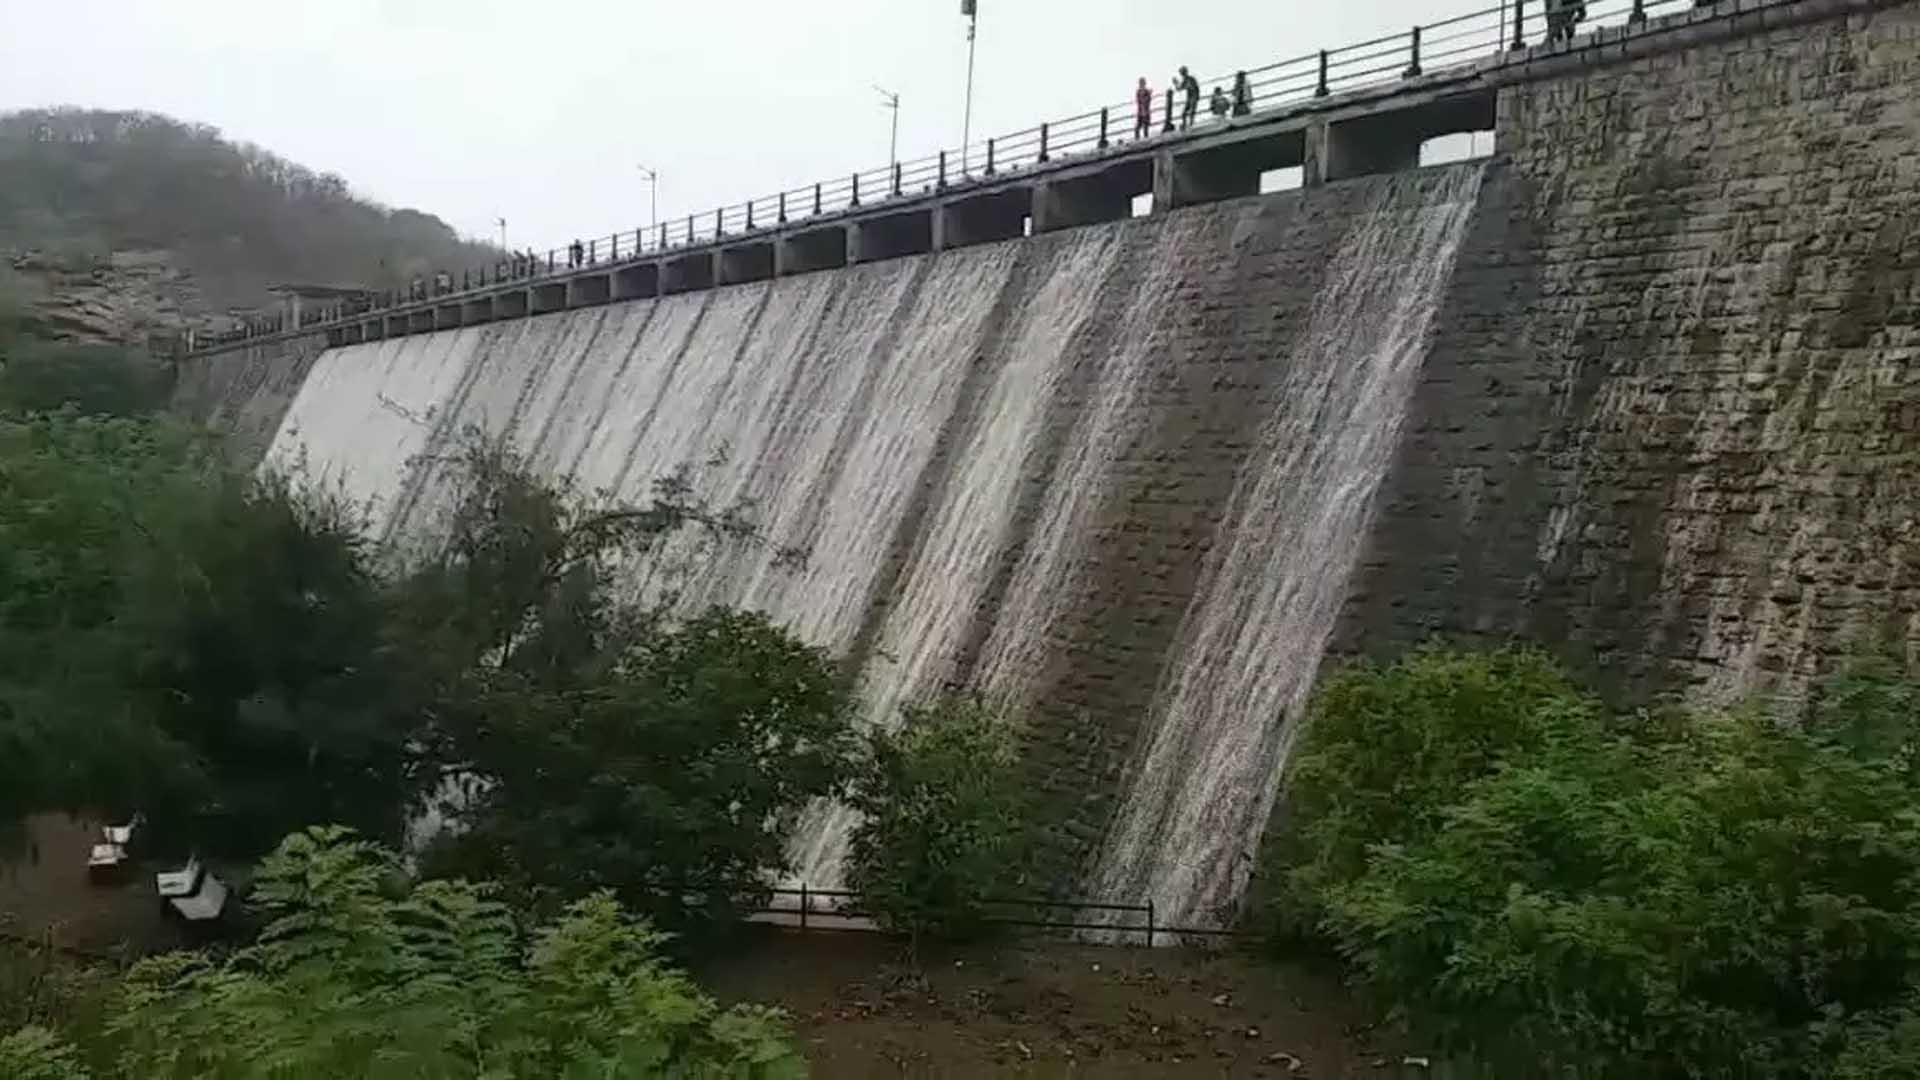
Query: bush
x=671 y=779
x=361 y=974
x=1387 y=749
x=100 y=380
x=944 y=821
x=1712 y=895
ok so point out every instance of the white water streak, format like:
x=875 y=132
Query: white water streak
x=1199 y=793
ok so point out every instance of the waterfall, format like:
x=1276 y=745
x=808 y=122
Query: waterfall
x=954 y=441
x=1198 y=794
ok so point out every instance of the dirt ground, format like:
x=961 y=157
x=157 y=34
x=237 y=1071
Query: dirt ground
x=46 y=895
x=1051 y=1009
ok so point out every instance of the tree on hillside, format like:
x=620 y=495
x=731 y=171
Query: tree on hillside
x=87 y=182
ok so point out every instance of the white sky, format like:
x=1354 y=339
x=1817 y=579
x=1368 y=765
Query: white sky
x=540 y=111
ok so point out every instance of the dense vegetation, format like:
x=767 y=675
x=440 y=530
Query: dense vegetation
x=83 y=183
x=227 y=655
x=1559 y=890
x=945 y=823
x=360 y=972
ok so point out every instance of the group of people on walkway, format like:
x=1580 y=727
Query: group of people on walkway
x=1188 y=88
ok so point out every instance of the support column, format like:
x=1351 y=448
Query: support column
x=1313 y=171
x=1162 y=182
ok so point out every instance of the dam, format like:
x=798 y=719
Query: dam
x=1639 y=387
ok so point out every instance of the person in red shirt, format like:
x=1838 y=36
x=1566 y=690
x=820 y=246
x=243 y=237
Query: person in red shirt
x=1142 y=110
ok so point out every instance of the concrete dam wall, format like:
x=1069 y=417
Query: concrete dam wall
x=1640 y=387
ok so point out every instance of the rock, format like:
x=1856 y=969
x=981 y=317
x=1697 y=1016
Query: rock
x=1222 y=1000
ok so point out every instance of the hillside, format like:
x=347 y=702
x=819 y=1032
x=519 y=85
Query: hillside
x=113 y=224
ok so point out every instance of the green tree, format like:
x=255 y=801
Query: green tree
x=1673 y=894
x=252 y=638
x=98 y=380
x=1387 y=749
x=944 y=820
x=181 y=639
x=361 y=973
x=599 y=742
x=73 y=494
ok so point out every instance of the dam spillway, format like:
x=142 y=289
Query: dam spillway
x=952 y=440
x=1652 y=407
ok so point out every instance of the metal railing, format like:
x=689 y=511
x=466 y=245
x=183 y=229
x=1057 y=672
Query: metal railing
x=1423 y=49
x=839 y=909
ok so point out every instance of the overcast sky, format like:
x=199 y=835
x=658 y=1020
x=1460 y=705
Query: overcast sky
x=540 y=111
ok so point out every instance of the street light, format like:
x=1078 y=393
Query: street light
x=971 y=10
x=653 y=197
x=892 y=101
x=502 y=222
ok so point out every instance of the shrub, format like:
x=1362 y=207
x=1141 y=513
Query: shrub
x=35 y=1053
x=1387 y=749
x=1710 y=895
x=944 y=822
x=359 y=974
x=101 y=380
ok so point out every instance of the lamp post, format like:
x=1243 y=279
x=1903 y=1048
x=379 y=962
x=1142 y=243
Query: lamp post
x=969 y=8
x=502 y=222
x=653 y=195
x=891 y=100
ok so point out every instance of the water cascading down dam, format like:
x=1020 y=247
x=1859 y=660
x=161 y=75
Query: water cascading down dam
x=1640 y=388
x=949 y=438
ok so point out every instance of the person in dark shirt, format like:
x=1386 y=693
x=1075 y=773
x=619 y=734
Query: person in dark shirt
x=576 y=254
x=1142 y=110
x=1189 y=86
x=1218 y=104
x=1242 y=95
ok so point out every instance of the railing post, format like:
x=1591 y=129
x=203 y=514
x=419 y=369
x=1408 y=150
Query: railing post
x=782 y=220
x=662 y=245
x=1413 y=63
x=854 y=199
x=749 y=215
x=719 y=224
x=1639 y=13
x=816 y=200
x=1043 y=142
x=803 y=905
x=896 y=178
x=1320 y=87
x=689 y=228
x=941 y=183
x=1519 y=24
x=1103 y=128
x=1149 y=922
x=614 y=255
x=1169 y=124
x=989 y=157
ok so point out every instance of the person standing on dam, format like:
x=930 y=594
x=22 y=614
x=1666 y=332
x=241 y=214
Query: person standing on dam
x=1189 y=86
x=1562 y=15
x=1242 y=95
x=1142 y=109
x=1218 y=105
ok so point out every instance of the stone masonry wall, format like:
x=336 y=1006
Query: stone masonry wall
x=1670 y=422
x=244 y=393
